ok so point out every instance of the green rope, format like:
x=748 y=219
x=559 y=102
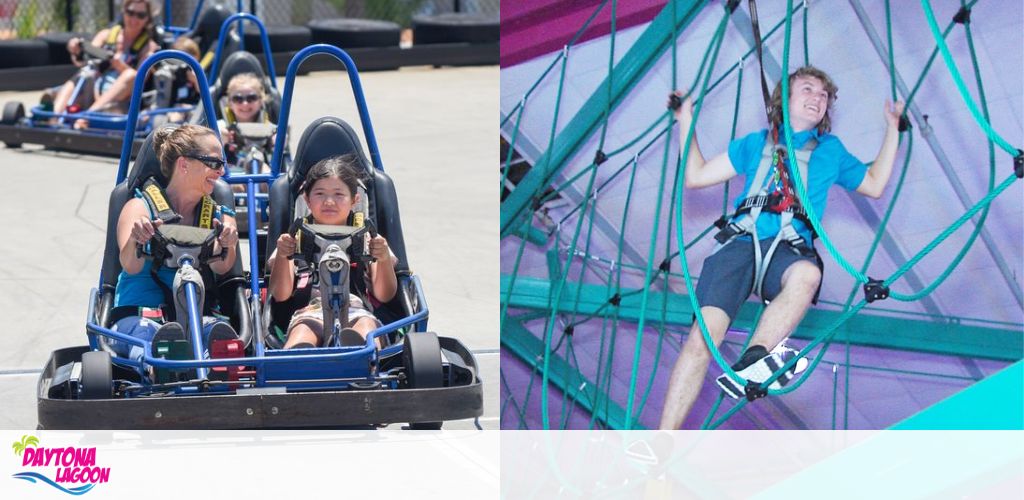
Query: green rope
x=677 y=198
x=511 y=150
x=608 y=100
x=931 y=59
x=980 y=224
x=512 y=281
x=557 y=298
x=955 y=73
x=940 y=317
x=662 y=324
x=687 y=278
x=892 y=59
x=885 y=219
x=801 y=190
x=561 y=187
x=717 y=43
x=508 y=398
x=747 y=54
x=945 y=234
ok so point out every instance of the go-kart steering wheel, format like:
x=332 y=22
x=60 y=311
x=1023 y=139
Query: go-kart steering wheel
x=94 y=53
x=310 y=233
x=173 y=240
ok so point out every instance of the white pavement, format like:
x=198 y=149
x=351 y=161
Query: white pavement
x=436 y=130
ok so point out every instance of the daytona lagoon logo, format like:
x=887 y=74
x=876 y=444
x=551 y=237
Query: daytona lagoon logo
x=76 y=470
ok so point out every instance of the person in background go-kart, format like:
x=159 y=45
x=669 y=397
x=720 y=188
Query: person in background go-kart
x=246 y=97
x=331 y=190
x=130 y=41
x=190 y=156
x=189 y=94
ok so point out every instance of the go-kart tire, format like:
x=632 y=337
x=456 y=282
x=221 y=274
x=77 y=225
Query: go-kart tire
x=421 y=357
x=355 y=33
x=97 y=376
x=13 y=113
x=23 y=53
x=57 y=45
x=455 y=27
x=282 y=39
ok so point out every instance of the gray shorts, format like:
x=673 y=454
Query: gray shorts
x=728 y=275
x=313 y=316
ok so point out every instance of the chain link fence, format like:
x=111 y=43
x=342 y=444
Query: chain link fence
x=300 y=12
x=30 y=18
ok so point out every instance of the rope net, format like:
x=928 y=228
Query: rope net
x=602 y=245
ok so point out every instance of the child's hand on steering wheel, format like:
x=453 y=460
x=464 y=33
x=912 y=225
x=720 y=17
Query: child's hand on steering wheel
x=379 y=248
x=286 y=245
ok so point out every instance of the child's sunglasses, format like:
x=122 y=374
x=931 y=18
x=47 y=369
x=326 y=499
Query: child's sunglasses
x=239 y=98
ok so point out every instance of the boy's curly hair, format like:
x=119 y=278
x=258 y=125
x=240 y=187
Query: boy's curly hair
x=775 y=114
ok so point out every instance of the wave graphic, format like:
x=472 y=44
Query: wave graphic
x=33 y=476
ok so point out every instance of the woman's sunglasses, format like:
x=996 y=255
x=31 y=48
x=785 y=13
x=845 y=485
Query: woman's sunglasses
x=239 y=98
x=211 y=162
x=137 y=14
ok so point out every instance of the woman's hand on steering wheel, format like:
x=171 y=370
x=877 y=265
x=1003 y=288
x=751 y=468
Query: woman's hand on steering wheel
x=75 y=46
x=228 y=234
x=117 y=62
x=144 y=229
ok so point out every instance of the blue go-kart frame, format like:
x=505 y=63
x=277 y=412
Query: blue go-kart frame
x=317 y=387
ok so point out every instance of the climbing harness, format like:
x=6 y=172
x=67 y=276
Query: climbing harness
x=771 y=191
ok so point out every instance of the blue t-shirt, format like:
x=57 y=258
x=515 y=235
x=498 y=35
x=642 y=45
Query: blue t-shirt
x=830 y=164
x=139 y=289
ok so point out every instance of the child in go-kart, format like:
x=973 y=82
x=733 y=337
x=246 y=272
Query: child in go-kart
x=176 y=84
x=330 y=191
x=190 y=156
x=246 y=97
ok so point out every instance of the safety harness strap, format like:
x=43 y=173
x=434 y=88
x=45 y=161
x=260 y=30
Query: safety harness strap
x=160 y=208
x=759 y=199
x=153 y=194
x=137 y=46
x=760 y=58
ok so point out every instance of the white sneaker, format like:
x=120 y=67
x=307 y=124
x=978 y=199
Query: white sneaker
x=761 y=369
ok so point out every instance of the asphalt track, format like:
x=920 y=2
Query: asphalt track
x=436 y=131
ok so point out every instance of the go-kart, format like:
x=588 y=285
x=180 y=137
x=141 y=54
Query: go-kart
x=400 y=374
x=105 y=131
x=251 y=140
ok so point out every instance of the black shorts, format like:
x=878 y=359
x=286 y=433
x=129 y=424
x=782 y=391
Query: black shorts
x=728 y=275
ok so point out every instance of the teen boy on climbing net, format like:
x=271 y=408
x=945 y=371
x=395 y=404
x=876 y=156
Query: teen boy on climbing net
x=783 y=268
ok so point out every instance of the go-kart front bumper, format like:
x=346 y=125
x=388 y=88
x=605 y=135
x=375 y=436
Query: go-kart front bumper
x=258 y=407
x=76 y=141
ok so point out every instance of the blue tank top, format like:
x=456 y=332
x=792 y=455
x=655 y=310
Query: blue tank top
x=140 y=289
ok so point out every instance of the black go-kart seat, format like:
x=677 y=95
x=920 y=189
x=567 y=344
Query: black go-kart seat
x=228 y=290
x=236 y=64
x=327 y=137
x=207 y=32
